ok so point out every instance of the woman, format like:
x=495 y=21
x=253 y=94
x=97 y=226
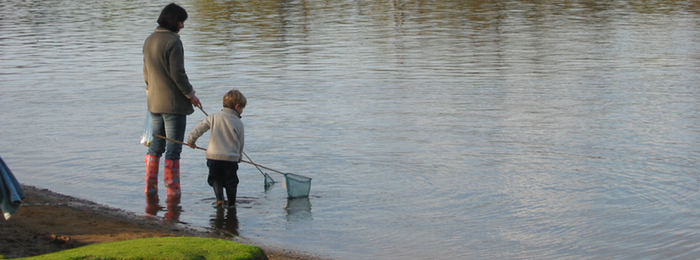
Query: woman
x=170 y=97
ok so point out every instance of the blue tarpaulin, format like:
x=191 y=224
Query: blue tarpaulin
x=11 y=193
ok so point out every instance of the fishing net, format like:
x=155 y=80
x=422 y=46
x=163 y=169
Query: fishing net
x=297 y=186
x=268 y=180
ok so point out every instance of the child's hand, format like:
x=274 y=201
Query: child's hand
x=192 y=145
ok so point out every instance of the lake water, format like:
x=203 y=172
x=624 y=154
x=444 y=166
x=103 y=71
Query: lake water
x=432 y=129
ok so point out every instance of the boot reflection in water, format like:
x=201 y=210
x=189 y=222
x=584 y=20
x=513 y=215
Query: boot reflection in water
x=174 y=208
x=152 y=206
x=226 y=221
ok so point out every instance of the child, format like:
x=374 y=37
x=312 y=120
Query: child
x=225 y=146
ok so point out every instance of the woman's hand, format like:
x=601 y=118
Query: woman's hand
x=195 y=101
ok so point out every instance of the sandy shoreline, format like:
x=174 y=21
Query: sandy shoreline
x=49 y=222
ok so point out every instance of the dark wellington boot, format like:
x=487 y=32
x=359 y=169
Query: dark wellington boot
x=218 y=192
x=231 y=194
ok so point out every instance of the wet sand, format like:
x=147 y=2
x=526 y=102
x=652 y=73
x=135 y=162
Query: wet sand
x=48 y=222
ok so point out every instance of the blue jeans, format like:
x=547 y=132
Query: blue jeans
x=171 y=126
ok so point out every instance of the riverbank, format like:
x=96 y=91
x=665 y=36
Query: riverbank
x=48 y=222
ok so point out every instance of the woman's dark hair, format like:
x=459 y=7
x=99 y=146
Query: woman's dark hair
x=171 y=15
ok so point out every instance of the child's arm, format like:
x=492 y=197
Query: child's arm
x=198 y=131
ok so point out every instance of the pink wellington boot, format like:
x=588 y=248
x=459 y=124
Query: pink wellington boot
x=152 y=174
x=172 y=177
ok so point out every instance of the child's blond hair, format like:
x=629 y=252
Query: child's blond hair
x=234 y=97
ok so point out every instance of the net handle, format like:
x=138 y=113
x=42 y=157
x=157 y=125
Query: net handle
x=200 y=148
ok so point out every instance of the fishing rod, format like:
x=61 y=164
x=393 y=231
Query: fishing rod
x=204 y=149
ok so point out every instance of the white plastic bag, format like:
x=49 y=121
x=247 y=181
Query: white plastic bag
x=147 y=135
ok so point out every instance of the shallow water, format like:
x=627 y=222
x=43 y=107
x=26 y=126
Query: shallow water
x=432 y=130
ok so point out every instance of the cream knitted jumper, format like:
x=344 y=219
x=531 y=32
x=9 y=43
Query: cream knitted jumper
x=227 y=136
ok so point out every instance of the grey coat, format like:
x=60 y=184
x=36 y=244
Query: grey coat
x=167 y=85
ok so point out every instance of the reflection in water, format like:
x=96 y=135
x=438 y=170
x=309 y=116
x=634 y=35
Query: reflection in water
x=298 y=209
x=152 y=206
x=225 y=220
x=172 y=209
x=511 y=128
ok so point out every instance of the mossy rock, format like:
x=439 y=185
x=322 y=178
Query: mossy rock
x=171 y=248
